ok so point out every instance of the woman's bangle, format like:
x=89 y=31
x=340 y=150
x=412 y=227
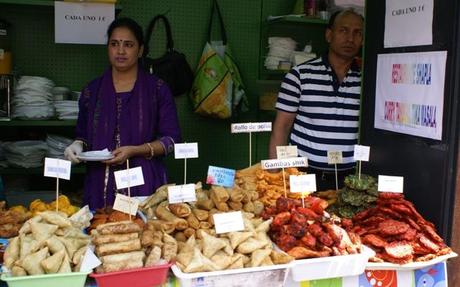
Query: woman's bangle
x=152 y=151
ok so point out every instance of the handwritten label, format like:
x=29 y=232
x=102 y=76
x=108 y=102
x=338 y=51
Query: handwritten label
x=334 y=157
x=181 y=193
x=228 y=222
x=186 y=150
x=129 y=177
x=220 y=176
x=287 y=151
x=284 y=163
x=57 y=168
x=251 y=127
x=361 y=152
x=126 y=204
x=391 y=184
x=303 y=183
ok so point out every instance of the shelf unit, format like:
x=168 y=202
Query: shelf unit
x=38 y=123
x=79 y=169
x=44 y=3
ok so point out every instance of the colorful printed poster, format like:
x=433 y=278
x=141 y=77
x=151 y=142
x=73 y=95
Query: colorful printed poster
x=408 y=23
x=433 y=276
x=409 y=96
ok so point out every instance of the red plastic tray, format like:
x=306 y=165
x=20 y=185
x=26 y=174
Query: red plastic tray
x=139 y=277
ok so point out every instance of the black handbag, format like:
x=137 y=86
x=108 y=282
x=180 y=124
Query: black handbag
x=172 y=67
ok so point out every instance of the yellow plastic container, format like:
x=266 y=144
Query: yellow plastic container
x=74 y=279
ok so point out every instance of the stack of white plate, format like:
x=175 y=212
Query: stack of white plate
x=280 y=50
x=25 y=153
x=33 y=98
x=57 y=145
x=66 y=110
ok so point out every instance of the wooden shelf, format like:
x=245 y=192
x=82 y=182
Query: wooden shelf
x=79 y=169
x=294 y=19
x=38 y=123
x=41 y=3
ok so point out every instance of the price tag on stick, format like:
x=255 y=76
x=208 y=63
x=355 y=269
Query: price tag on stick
x=251 y=128
x=220 y=176
x=391 y=184
x=128 y=178
x=282 y=152
x=335 y=157
x=181 y=193
x=185 y=151
x=57 y=168
x=361 y=153
x=305 y=184
x=228 y=222
x=126 y=204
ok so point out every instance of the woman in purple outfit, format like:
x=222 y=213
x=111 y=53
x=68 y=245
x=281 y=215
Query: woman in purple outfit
x=129 y=112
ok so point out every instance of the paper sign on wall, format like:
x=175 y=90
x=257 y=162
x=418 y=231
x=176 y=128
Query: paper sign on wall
x=287 y=151
x=82 y=23
x=129 y=177
x=220 y=176
x=303 y=183
x=251 y=127
x=57 y=168
x=361 y=152
x=186 y=150
x=391 y=183
x=334 y=157
x=284 y=163
x=181 y=193
x=126 y=204
x=228 y=222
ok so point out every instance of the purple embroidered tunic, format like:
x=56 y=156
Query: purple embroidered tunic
x=108 y=120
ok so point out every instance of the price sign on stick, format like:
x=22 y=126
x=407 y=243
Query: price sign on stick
x=127 y=178
x=361 y=153
x=228 y=222
x=282 y=152
x=284 y=163
x=251 y=128
x=126 y=204
x=220 y=176
x=181 y=193
x=391 y=184
x=335 y=157
x=57 y=168
x=185 y=151
x=286 y=151
x=305 y=184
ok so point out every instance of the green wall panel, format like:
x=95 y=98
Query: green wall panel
x=35 y=53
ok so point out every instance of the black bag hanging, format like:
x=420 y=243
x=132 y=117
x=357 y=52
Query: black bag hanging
x=172 y=67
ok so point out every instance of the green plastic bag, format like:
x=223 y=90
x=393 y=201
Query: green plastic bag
x=217 y=88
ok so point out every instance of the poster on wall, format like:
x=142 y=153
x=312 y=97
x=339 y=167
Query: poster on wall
x=82 y=23
x=409 y=93
x=408 y=23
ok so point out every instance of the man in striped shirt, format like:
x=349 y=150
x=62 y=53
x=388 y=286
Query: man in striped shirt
x=319 y=101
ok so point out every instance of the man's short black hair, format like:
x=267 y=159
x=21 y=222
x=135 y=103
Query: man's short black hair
x=342 y=12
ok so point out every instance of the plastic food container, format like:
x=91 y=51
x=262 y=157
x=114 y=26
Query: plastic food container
x=74 y=279
x=331 y=267
x=409 y=266
x=266 y=276
x=139 y=277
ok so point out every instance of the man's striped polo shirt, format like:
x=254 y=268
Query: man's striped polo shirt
x=327 y=111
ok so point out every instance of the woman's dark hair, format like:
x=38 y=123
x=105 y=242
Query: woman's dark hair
x=130 y=24
x=336 y=14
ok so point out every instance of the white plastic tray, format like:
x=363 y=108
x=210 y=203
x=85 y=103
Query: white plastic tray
x=409 y=266
x=331 y=267
x=266 y=276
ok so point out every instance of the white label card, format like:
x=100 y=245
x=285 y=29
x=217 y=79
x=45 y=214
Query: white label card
x=129 y=177
x=126 y=204
x=57 y=168
x=303 y=183
x=181 y=193
x=286 y=151
x=361 y=152
x=284 y=163
x=90 y=261
x=228 y=222
x=251 y=127
x=391 y=183
x=334 y=157
x=186 y=150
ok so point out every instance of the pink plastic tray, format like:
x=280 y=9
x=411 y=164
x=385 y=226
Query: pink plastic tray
x=139 y=277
